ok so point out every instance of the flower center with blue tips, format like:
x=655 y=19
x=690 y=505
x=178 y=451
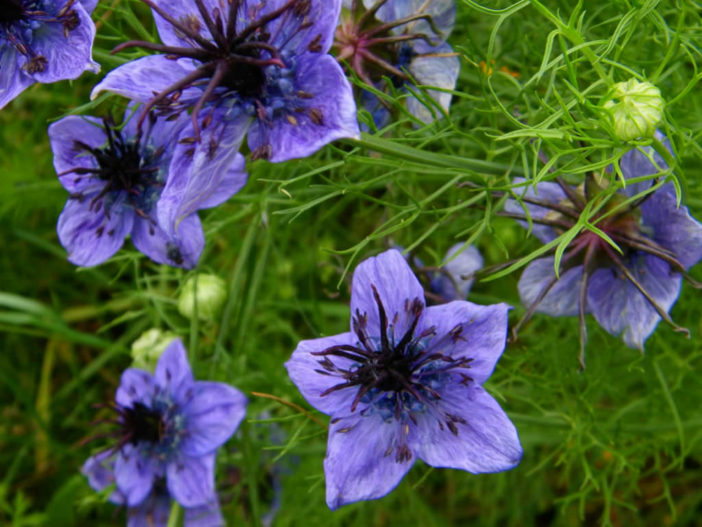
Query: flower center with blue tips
x=238 y=69
x=397 y=379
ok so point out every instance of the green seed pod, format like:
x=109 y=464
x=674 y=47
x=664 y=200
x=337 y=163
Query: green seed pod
x=147 y=349
x=636 y=109
x=211 y=294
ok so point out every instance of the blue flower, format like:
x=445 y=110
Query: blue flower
x=629 y=292
x=405 y=383
x=404 y=40
x=253 y=66
x=148 y=185
x=169 y=429
x=44 y=41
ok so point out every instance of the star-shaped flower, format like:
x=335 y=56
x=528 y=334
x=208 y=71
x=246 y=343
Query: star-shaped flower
x=148 y=184
x=405 y=383
x=44 y=41
x=169 y=428
x=627 y=291
x=245 y=66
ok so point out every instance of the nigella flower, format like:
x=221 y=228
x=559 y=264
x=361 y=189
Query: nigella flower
x=405 y=383
x=454 y=279
x=404 y=40
x=245 y=65
x=169 y=428
x=44 y=41
x=627 y=291
x=148 y=184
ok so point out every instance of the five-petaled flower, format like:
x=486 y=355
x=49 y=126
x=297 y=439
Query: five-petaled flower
x=169 y=428
x=44 y=41
x=256 y=66
x=145 y=183
x=630 y=290
x=404 y=40
x=405 y=383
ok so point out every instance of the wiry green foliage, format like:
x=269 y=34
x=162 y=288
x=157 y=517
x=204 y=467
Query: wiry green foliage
x=617 y=444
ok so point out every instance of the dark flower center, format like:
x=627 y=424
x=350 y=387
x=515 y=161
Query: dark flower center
x=141 y=423
x=10 y=11
x=244 y=67
x=620 y=220
x=127 y=168
x=395 y=377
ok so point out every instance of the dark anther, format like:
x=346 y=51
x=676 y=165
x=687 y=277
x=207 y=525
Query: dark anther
x=36 y=64
x=10 y=11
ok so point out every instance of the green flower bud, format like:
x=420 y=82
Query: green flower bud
x=211 y=294
x=147 y=349
x=636 y=109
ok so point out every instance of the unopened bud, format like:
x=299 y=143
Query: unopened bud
x=210 y=295
x=147 y=349
x=636 y=109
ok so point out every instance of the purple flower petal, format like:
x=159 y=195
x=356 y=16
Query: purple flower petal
x=13 y=80
x=545 y=191
x=480 y=333
x=620 y=308
x=134 y=474
x=136 y=386
x=203 y=175
x=486 y=442
x=191 y=480
x=68 y=155
x=431 y=70
x=329 y=114
x=205 y=516
x=154 y=511
x=173 y=370
x=397 y=287
x=214 y=411
x=442 y=12
x=68 y=53
x=562 y=299
x=185 y=11
x=140 y=79
x=673 y=227
x=454 y=286
x=304 y=370
x=90 y=236
x=361 y=460
x=285 y=31
x=182 y=249
x=99 y=469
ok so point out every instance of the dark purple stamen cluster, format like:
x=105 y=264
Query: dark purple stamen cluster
x=126 y=167
x=395 y=378
x=373 y=49
x=20 y=18
x=621 y=222
x=231 y=62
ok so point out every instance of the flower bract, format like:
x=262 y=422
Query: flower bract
x=148 y=184
x=44 y=41
x=404 y=384
x=245 y=67
x=169 y=428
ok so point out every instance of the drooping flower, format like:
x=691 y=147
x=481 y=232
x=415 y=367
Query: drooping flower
x=454 y=279
x=148 y=184
x=169 y=428
x=630 y=290
x=245 y=65
x=44 y=41
x=405 y=383
x=404 y=40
